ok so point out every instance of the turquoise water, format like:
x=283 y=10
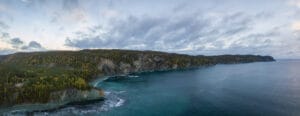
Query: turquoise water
x=264 y=88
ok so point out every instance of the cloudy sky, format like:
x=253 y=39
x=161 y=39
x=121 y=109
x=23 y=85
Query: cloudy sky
x=208 y=27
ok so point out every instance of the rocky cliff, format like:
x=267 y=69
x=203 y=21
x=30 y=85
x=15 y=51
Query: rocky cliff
x=158 y=62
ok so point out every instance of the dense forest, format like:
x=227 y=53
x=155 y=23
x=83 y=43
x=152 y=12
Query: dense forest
x=32 y=77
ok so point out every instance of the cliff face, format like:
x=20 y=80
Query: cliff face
x=63 y=76
x=157 y=62
x=143 y=63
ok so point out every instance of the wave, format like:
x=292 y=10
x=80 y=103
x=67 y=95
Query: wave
x=133 y=76
x=112 y=100
x=120 y=103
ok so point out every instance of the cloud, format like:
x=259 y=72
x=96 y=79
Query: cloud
x=4 y=36
x=12 y=45
x=196 y=27
x=294 y=3
x=26 y=1
x=3 y=8
x=70 y=5
x=194 y=32
x=33 y=45
x=6 y=51
x=109 y=13
x=296 y=26
x=137 y=31
x=70 y=11
x=3 y=25
x=16 y=42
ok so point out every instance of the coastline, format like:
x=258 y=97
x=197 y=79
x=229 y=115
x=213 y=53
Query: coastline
x=107 y=64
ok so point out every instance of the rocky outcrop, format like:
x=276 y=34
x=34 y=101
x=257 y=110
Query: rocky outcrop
x=60 y=99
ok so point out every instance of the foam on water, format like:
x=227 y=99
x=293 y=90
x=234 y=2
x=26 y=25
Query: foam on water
x=133 y=76
x=112 y=100
x=120 y=103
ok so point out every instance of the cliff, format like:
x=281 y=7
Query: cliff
x=43 y=77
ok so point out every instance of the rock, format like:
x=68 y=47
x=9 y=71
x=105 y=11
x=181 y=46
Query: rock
x=158 y=59
x=19 y=85
x=174 y=66
x=107 y=66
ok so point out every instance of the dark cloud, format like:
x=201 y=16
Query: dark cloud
x=33 y=45
x=16 y=42
x=4 y=35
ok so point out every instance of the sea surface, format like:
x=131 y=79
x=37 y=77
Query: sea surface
x=262 y=88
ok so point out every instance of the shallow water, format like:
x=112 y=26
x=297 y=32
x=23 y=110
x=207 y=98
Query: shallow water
x=263 y=88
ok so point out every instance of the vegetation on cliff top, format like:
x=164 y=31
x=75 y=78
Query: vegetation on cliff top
x=32 y=77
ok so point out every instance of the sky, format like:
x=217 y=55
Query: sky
x=196 y=27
